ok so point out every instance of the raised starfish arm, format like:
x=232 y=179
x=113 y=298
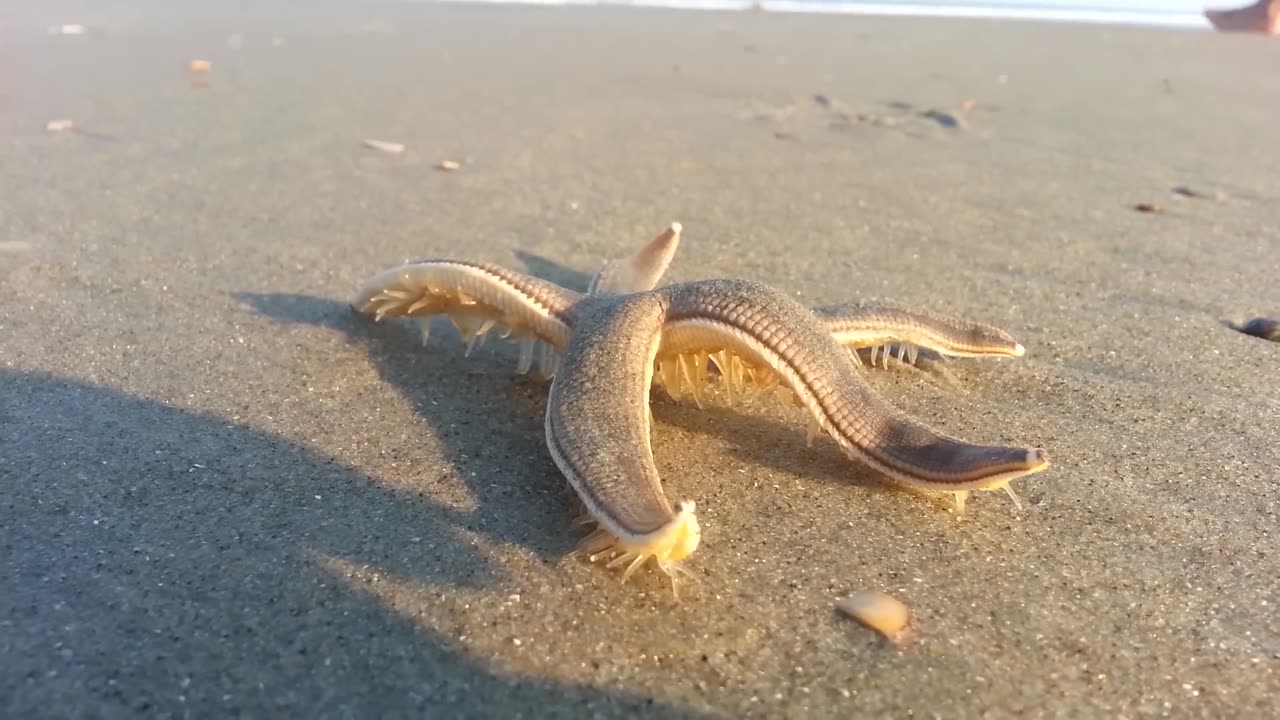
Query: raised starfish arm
x=597 y=427
x=478 y=298
x=639 y=271
x=878 y=325
x=753 y=332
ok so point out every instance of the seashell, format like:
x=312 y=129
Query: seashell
x=1262 y=327
x=393 y=148
x=879 y=611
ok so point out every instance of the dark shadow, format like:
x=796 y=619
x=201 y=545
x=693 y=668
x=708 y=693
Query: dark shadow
x=764 y=441
x=506 y=410
x=162 y=563
x=487 y=418
x=548 y=269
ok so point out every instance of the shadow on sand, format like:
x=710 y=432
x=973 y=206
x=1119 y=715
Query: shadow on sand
x=158 y=562
x=515 y=403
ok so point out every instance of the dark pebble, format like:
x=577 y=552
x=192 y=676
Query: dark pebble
x=1263 y=327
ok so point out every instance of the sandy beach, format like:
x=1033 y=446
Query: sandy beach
x=227 y=495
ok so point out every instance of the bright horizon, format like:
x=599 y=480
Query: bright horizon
x=1168 y=13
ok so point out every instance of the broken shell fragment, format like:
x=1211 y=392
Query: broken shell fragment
x=1262 y=327
x=449 y=165
x=199 y=66
x=879 y=611
x=393 y=148
x=57 y=126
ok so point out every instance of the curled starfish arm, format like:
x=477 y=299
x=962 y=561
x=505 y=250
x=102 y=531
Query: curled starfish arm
x=597 y=430
x=877 y=325
x=639 y=271
x=755 y=333
x=479 y=298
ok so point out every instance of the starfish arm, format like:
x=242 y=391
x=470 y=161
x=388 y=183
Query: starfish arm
x=639 y=271
x=597 y=430
x=750 y=329
x=867 y=324
x=478 y=298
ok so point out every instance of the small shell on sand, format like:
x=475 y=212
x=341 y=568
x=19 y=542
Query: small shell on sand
x=393 y=148
x=1262 y=327
x=879 y=611
x=449 y=165
x=57 y=126
x=199 y=66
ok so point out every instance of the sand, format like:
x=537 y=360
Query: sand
x=223 y=494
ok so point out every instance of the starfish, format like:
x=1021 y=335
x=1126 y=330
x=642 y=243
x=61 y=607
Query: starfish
x=604 y=350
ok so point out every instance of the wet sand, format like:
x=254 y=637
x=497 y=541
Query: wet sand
x=225 y=494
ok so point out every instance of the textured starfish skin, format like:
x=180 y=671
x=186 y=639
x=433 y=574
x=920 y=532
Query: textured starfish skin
x=605 y=350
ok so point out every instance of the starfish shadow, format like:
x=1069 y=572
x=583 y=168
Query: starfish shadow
x=161 y=562
x=487 y=419
x=765 y=441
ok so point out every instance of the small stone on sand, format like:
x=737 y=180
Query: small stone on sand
x=1262 y=327
x=449 y=165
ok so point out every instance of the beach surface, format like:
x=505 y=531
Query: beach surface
x=226 y=494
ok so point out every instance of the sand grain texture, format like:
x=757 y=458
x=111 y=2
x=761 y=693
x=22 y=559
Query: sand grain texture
x=223 y=492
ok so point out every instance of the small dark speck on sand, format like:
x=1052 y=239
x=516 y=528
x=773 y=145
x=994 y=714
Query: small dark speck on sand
x=1263 y=327
x=822 y=100
x=1147 y=208
x=1185 y=191
x=943 y=118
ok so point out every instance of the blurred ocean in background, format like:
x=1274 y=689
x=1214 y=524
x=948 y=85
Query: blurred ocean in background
x=1168 y=13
